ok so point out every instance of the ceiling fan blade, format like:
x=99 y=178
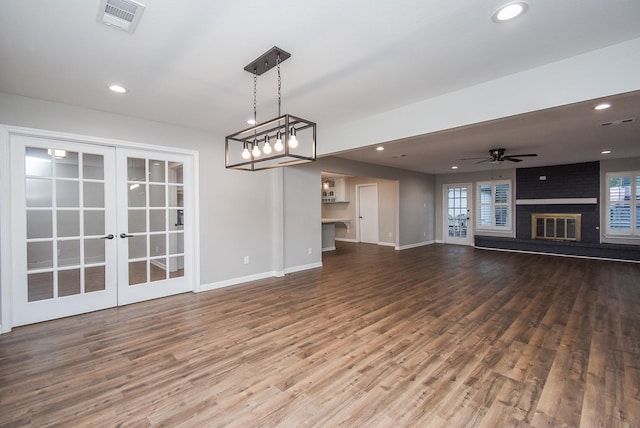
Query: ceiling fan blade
x=485 y=158
x=509 y=158
x=521 y=156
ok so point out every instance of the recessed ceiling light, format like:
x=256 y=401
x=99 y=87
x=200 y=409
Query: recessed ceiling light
x=605 y=152
x=510 y=11
x=379 y=148
x=118 y=89
x=251 y=121
x=454 y=167
x=602 y=106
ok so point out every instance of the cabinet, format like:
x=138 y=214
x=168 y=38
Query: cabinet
x=334 y=190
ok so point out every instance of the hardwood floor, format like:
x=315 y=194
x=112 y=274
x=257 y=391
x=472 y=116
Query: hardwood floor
x=431 y=336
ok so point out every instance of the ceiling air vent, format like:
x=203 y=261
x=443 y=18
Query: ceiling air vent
x=122 y=14
x=619 y=122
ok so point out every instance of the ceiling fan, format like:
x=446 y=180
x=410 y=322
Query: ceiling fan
x=497 y=155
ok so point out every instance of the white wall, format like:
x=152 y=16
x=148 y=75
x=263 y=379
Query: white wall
x=302 y=224
x=416 y=212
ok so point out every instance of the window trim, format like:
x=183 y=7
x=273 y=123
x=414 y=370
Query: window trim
x=508 y=228
x=634 y=231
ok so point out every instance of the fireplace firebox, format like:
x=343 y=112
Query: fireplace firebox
x=556 y=227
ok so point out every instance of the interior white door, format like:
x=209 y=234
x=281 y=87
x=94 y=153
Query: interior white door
x=155 y=202
x=64 y=222
x=457 y=218
x=368 y=213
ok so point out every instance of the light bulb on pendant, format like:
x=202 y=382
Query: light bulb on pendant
x=293 y=141
x=245 y=152
x=267 y=147
x=278 y=145
x=256 y=150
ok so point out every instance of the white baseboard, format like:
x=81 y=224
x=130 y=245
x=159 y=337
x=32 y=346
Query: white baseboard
x=390 y=244
x=439 y=241
x=303 y=267
x=235 y=281
x=417 y=244
x=329 y=249
x=255 y=277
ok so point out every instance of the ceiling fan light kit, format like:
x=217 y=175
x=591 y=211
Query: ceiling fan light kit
x=294 y=138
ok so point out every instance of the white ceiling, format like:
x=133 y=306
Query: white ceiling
x=350 y=60
x=562 y=135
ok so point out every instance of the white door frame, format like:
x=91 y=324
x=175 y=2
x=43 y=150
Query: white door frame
x=445 y=215
x=6 y=257
x=358 y=187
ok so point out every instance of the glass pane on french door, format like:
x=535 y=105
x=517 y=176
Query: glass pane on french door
x=457 y=217
x=63 y=200
x=153 y=207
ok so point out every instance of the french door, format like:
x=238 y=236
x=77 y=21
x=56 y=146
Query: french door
x=95 y=227
x=457 y=216
x=151 y=235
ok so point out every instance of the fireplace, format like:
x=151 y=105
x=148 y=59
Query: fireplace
x=558 y=212
x=556 y=227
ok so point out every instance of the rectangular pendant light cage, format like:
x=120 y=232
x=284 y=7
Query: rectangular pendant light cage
x=305 y=132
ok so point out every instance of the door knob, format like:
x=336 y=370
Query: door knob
x=360 y=216
x=124 y=235
x=109 y=236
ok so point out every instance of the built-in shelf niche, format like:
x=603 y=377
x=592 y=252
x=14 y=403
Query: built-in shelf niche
x=334 y=190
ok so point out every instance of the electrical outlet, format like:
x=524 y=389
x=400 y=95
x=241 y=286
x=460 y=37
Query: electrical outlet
x=310 y=250
x=389 y=234
x=246 y=260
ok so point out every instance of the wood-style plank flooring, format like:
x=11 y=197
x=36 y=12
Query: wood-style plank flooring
x=432 y=336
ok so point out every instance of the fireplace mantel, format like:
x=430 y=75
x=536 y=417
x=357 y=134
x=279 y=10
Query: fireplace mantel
x=557 y=201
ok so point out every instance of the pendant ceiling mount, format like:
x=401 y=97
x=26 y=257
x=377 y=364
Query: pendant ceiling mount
x=267 y=61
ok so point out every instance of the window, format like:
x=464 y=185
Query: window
x=623 y=203
x=494 y=205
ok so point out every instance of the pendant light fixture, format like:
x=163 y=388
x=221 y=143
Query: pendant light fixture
x=295 y=138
